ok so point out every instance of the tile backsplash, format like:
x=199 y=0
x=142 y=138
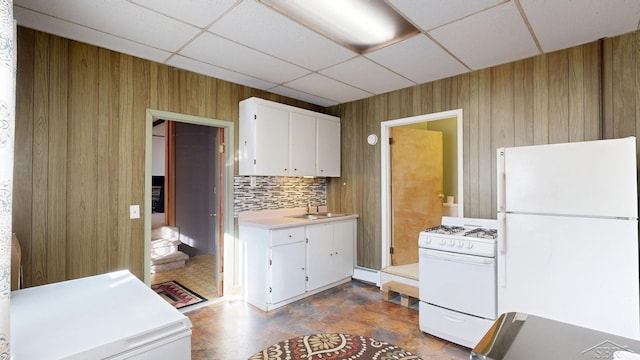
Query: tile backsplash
x=277 y=192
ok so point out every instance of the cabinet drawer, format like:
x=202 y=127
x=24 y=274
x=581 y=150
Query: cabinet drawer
x=287 y=236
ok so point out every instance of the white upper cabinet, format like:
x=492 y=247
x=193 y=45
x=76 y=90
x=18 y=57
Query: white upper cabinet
x=302 y=145
x=328 y=153
x=271 y=140
x=282 y=140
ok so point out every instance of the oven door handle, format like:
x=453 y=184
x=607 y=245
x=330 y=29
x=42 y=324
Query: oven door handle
x=455 y=257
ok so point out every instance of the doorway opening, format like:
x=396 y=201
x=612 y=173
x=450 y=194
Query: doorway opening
x=417 y=190
x=196 y=193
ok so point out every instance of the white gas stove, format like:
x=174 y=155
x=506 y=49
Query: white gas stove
x=458 y=279
x=460 y=239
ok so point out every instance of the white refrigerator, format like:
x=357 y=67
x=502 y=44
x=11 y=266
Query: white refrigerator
x=568 y=234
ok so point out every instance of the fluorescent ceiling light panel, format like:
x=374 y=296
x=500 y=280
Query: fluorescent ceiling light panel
x=360 y=25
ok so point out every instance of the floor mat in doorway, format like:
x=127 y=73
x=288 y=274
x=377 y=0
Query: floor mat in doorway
x=177 y=295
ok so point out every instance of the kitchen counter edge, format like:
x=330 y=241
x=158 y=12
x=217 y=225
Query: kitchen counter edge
x=281 y=221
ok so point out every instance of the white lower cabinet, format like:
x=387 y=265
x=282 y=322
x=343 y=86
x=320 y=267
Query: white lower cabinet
x=284 y=265
x=287 y=271
x=330 y=252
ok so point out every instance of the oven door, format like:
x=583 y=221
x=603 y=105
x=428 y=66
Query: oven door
x=459 y=282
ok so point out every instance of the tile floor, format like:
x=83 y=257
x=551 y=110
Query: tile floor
x=198 y=276
x=237 y=330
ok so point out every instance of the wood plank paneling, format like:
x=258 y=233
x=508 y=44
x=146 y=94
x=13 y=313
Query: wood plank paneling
x=140 y=103
x=23 y=157
x=80 y=142
x=607 y=88
x=82 y=210
x=548 y=98
x=470 y=128
x=540 y=100
x=40 y=158
x=558 y=86
x=523 y=102
x=87 y=122
x=124 y=153
x=502 y=124
x=485 y=153
x=57 y=162
x=108 y=175
x=576 y=120
x=591 y=91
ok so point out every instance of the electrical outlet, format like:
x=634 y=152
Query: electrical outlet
x=252 y=181
x=134 y=212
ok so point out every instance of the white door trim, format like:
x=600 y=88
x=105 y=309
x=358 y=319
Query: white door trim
x=385 y=168
x=227 y=189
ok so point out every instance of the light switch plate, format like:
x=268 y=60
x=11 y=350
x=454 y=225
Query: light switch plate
x=134 y=211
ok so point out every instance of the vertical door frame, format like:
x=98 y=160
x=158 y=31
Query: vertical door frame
x=227 y=241
x=385 y=168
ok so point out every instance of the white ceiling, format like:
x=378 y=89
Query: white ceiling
x=248 y=43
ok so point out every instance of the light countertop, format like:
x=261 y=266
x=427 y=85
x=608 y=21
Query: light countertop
x=281 y=218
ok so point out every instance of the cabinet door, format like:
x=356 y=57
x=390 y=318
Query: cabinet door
x=319 y=255
x=302 y=149
x=287 y=267
x=272 y=141
x=343 y=248
x=328 y=137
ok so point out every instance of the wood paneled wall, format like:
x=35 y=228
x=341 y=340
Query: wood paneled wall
x=80 y=137
x=587 y=92
x=79 y=150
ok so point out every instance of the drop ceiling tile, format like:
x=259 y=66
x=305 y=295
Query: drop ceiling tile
x=560 y=24
x=259 y=27
x=327 y=88
x=220 y=52
x=119 y=18
x=367 y=75
x=492 y=37
x=429 y=14
x=295 y=94
x=200 y=13
x=184 y=63
x=418 y=59
x=51 y=25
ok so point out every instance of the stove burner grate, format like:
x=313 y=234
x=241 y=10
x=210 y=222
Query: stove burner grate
x=445 y=229
x=482 y=233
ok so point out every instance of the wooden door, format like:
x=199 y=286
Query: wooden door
x=416 y=189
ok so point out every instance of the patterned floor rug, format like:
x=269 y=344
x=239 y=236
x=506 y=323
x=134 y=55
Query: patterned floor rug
x=333 y=347
x=176 y=294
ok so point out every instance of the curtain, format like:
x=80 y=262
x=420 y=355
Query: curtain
x=7 y=126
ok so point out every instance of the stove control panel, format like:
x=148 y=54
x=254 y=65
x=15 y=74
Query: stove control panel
x=458 y=244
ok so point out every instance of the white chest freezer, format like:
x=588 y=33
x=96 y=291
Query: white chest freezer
x=109 y=316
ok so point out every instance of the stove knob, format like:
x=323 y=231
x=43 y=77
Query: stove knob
x=460 y=243
x=443 y=242
x=428 y=241
x=452 y=242
x=470 y=245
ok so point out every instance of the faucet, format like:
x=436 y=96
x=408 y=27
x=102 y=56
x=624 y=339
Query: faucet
x=309 y=205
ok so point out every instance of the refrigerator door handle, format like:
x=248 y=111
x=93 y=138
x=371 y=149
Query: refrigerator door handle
x=501 y=180
x=501 y=258
x=502 y=239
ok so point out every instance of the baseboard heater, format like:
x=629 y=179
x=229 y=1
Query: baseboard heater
x=366 y=275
